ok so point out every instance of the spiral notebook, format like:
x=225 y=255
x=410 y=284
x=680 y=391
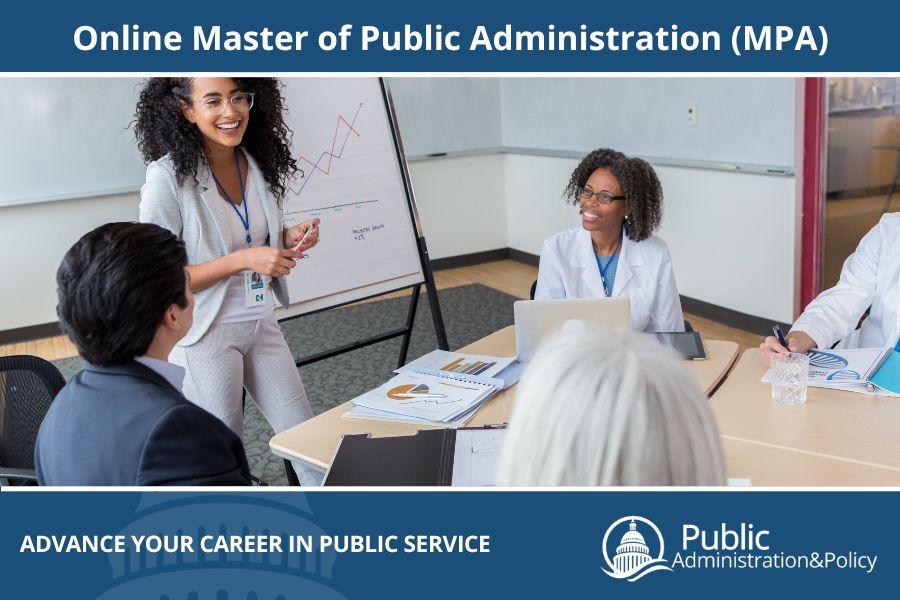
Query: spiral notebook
x=491 y=370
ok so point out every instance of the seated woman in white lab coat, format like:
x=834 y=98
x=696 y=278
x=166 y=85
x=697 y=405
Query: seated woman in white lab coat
x=870 y=278
x=614 y=252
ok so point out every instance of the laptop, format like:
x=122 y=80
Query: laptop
x=538 y=319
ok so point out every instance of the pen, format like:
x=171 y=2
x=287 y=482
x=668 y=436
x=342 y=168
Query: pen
x=780 y=335
x=304 y=239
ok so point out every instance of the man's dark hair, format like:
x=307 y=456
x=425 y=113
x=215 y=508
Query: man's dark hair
x=114 y=286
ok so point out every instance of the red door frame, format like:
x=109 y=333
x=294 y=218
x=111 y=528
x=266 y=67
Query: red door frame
x=813 y=204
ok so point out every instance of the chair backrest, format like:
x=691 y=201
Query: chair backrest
x=28 y=385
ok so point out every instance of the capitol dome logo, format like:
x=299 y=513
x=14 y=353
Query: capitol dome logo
x=633 y=557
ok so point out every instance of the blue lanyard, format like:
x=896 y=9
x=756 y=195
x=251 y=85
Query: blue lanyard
x=603 y=269
x=245 y=219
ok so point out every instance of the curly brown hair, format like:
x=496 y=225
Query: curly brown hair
x=640 y=186
x=161 y=128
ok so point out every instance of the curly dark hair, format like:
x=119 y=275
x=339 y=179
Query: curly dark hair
x=640 y=186
x=161 y=128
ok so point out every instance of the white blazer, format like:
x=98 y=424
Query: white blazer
x=644 y=274
x=870 y=277
x=197 y=214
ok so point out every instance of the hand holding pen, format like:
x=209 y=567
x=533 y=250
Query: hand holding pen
x=795 y=341
x=305 y=235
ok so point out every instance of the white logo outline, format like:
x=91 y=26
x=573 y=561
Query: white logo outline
x=632 y=575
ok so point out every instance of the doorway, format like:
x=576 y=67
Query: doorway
x=862 y=164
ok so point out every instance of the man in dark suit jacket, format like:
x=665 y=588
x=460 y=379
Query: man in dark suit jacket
x=125 y=301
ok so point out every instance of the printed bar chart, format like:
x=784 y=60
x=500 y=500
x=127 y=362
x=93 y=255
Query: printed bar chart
x=471 y=368
x=453 y=365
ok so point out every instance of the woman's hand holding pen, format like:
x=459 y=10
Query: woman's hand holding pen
x=277 y=262
x=797 y=341
x=306 y=232
x=266 y=260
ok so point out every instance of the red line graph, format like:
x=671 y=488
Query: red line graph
x=331 y=154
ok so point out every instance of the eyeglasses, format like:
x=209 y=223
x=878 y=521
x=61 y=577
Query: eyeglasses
x=215 y=105
x=603 y=197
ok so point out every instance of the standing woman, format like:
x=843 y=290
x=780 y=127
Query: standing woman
x=215 y=179
x=614 y=252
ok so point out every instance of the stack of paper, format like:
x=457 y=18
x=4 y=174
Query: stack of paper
x=423 y=398
x=477 y=456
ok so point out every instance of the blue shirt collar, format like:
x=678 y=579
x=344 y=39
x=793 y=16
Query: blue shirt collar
x=168 y=371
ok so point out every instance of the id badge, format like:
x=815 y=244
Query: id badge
x=254 y=289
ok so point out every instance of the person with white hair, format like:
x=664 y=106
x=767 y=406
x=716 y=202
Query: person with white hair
x=603 y=407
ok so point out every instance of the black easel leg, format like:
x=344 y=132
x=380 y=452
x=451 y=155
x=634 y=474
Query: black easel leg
x=437 y=318
x=431 y=288
x=410 y=319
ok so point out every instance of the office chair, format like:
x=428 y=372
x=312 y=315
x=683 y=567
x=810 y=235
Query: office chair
x=28 y=385
x=687 y=325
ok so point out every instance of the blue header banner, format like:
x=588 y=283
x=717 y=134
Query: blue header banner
x=462 y=36
x=268 y=546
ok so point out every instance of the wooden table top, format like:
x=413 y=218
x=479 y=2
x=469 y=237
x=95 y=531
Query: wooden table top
x=862 y=432
x=316 y=440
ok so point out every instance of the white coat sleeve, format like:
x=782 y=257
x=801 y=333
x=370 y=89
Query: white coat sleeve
x=836 y=312
x=159 y=200
x=666 y=314
x=549 y=282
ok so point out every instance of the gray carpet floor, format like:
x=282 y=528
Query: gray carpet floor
x=470 y=312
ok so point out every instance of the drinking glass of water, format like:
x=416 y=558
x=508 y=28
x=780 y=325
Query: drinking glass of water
x=791 y=372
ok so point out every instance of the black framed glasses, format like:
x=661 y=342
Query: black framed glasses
x=603 y=197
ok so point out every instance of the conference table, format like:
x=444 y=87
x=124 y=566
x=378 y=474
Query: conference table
x=316 y=440
x=836 y=438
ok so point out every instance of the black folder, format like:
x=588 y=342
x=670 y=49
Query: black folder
x=425 y=458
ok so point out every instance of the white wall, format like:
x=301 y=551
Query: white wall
x=731 y=236
x=461 y=203
x=534 y=206
x=33 y=240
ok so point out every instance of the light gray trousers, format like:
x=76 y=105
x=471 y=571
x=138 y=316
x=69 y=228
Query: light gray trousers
x=252 y=355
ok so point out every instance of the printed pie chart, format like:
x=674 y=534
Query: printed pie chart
x=403 y=391
x=406 y=391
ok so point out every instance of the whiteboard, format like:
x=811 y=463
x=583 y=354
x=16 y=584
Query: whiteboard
x=448 y=114
x=351 y=175
x=68 y=137
x=739 y=120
